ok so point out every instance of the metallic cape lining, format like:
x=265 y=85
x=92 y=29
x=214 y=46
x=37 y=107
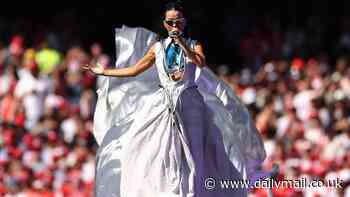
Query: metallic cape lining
x=121 y=99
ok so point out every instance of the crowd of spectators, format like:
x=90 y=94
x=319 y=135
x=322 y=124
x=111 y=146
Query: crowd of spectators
x=46 y=112
x=301 y=108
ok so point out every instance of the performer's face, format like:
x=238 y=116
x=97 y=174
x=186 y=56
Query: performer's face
x=174 y=21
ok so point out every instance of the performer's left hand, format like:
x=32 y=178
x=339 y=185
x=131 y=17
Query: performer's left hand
x=179 y=40
x=176 y=36
x=196 y=55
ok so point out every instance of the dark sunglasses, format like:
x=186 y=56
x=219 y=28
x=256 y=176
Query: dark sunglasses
x=174 y=22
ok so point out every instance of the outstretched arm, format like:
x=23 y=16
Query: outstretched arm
x=143 y=64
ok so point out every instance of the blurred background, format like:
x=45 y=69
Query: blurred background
x=287 y=60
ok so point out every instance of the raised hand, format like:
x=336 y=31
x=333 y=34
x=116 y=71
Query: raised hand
x=98 y=69
x=177 y=37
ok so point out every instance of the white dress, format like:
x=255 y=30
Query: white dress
x=163 y=138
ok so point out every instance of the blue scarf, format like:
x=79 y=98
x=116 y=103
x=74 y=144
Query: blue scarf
x=173 y=57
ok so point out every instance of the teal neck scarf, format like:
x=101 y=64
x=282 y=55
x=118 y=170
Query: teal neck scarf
x=173 y=57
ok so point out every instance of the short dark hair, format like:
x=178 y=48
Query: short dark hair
x=174 y=5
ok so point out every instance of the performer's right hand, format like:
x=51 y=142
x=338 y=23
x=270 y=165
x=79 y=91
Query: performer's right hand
x=98 y=69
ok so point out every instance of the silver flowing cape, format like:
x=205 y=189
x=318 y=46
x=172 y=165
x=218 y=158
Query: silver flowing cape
x=120 y=100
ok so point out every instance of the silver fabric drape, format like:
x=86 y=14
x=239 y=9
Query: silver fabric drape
x=121 y=102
